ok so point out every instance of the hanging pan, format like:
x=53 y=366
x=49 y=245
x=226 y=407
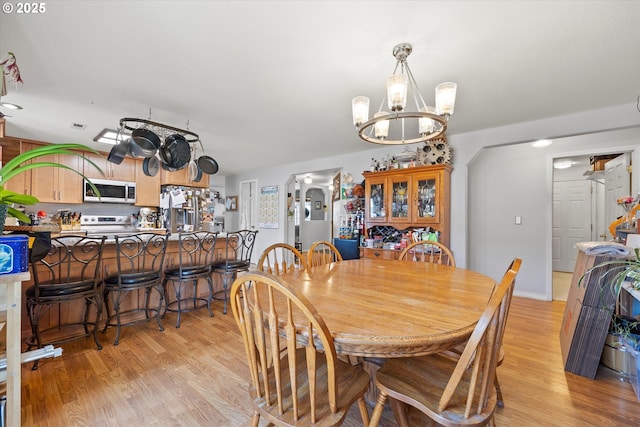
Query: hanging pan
x=151 y=166
x=207 y=164
x=179 y=151
x=119 y=152
x=144 y=143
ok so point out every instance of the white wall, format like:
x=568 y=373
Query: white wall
x=513 y=180
x=535 y=275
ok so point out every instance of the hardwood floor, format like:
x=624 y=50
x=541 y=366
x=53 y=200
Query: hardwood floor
x=197 y=376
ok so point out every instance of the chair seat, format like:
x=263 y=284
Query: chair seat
x=352 y=382
x=423 y=379
x=230 y=265
x=131 y=279
x=188 y=271
x=49 y=290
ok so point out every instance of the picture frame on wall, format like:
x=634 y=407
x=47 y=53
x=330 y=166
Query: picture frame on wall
x=231 y=203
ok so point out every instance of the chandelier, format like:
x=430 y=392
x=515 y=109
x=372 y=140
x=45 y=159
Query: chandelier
x=407 y=127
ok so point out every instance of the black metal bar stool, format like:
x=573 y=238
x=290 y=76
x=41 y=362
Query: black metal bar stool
x=238 y=252
x=70 y=271
x=194 y=263
x=139 y=268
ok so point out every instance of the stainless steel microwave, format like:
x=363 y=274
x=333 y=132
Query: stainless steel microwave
x=110 y=191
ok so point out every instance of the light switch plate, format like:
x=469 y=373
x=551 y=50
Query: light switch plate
x=518 y=220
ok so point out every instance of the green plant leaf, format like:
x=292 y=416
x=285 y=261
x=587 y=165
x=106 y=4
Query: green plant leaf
x=20 y=215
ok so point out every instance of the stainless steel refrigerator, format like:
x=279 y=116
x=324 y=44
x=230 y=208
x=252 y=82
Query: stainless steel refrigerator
x=183 y=207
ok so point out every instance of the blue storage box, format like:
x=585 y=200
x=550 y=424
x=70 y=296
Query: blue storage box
x=14 y=254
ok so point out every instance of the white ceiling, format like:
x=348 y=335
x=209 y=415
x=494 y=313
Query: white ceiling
x=270 y=82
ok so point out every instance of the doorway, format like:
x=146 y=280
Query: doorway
x=312 y=216
x=581 y=212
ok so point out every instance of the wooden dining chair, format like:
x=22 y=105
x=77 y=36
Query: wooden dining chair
x=281 y=258
x=450 y=391
x=322 y=252
x=434 y=252
x=294 y=380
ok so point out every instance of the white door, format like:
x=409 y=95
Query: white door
x=572 y=221
x=248 y=205
x=617 y=184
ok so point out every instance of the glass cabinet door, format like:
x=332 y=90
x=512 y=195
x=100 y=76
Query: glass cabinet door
x=377 y=208
x=427 y=202
x=399 y=198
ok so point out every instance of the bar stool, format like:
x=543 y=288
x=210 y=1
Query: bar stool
x=194 y=263
x=238 y=250
x=139 y=260
x=70 y=271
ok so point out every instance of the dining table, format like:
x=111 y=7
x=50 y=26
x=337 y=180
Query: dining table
x=377 y=309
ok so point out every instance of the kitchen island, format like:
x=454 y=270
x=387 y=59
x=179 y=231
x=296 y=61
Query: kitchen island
x=109 y=266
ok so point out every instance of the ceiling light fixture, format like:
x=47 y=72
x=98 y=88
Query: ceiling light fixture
x=308 y=180
x=426 y=123
x=562 y=164
x=112 y=137
x=10 y=106
x=541 y=143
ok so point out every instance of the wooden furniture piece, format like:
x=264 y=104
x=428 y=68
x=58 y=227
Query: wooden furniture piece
x=11 y=287
x=432 y=307
x=237 y=258
x=451 y=391
x=140 y=260
x=322 y=252
x=409 y=198
x=69 y=272
x=281 y=258
x=428 y=252
x=195 y=256
x=294 y=380
x=414 y=294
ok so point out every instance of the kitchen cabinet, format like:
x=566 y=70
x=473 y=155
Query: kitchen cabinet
x=147 y=187
x=57 y=185
x=409 y=198
x=20 y=183
x=181 y=177
x=125 y=171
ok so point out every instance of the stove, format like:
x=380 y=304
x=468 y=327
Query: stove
x=106 y=225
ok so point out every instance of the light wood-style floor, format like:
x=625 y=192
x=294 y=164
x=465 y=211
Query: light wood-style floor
x=197 y=376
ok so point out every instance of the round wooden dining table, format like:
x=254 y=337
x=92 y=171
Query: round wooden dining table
x=387 y=308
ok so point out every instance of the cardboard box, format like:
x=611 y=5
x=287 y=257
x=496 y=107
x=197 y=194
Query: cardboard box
x=586 y=320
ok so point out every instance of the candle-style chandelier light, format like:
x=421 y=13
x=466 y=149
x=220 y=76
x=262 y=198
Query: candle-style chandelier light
x=407 y=127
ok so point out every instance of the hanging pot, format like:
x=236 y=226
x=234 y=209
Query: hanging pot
x=208 y=165
x=151 y=166
x=179 y=151
x=119 y=152
x=193 y=170
x=144 y=143
x=198 y=176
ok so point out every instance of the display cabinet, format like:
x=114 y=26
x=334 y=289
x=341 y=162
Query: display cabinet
x=409 y=198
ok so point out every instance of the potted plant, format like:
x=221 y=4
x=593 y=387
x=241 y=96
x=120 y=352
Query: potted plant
x=26 y=161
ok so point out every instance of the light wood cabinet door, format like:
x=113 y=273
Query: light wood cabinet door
x=147 y=187
x=20 y=183
x=376 y=199
x=181 y=177
x=57 y=185
x=125 y=171
x=400 y=203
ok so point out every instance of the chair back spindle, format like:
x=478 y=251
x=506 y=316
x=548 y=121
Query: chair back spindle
x=295 y=374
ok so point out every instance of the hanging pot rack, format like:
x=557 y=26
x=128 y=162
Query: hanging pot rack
x=159 y=129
